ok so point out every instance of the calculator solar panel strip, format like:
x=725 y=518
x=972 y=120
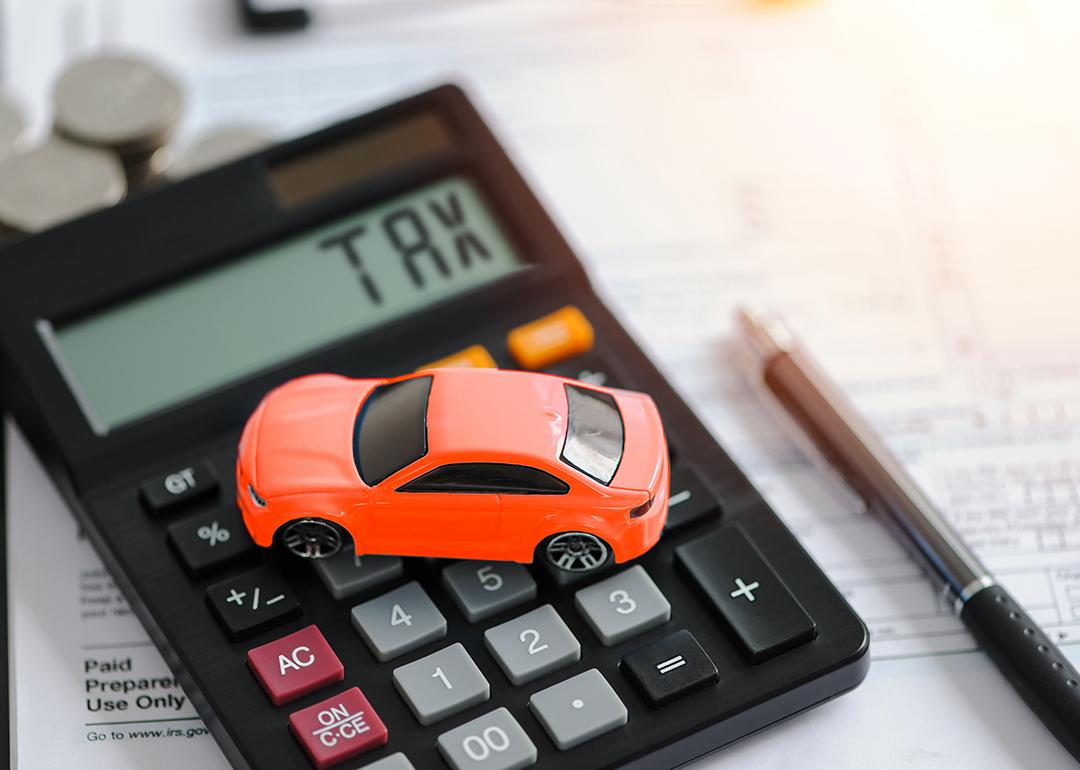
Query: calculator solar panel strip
x=742 y=597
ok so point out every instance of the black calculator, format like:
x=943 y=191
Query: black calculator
x=137 y=340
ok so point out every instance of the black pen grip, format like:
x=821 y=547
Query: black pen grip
x=1032 y=663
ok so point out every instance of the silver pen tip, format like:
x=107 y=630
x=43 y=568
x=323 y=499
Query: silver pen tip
x=763 y=332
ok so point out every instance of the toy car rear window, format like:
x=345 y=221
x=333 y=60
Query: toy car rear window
x=391 y=429
x=594 y=436
x=496 y=478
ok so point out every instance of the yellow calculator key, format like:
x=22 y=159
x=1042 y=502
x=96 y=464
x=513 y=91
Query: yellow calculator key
x=472 y=357
x=548 y=340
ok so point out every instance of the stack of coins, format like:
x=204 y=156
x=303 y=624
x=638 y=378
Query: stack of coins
x=57 y=181
x=124 y=104
x=114 y=118
x=12 y=127
x=218 y=146
x=12 y=137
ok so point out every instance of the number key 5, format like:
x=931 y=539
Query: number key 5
x=483 y=589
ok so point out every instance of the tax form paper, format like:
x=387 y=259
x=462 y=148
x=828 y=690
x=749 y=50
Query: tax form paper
x=899 y=181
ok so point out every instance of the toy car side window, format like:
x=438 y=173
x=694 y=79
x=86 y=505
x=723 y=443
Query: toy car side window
x=594 y=435
x=391 y=429
x=492 y=478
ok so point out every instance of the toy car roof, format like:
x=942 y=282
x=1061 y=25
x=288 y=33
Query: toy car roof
x=477 y=414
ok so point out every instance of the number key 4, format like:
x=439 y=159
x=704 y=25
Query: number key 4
x=399 y=621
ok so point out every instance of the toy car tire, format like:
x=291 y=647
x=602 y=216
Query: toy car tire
x=575 y=551
x=312 y=538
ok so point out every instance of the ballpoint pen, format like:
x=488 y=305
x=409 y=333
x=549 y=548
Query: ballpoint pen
x=1035 y=667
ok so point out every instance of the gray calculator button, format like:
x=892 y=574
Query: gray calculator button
x=398 y=621
x=441 y=684
x=482 y=589
x=345 y=573
x=491 y=742
x=532 y=645
x=623 y=605
x=393 y=762
x=578 y=709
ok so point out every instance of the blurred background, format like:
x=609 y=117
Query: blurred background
x=899 y=178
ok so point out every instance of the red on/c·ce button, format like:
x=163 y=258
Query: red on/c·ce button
x=295 y=665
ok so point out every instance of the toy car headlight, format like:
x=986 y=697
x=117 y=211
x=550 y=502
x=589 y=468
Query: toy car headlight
x=255 y=498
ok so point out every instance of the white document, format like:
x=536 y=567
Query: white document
x=899 y=179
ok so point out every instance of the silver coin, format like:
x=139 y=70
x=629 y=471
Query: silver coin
x=218 y=146
x=57 y=181
x=12 y=127
x=118 y=101
x=145 y=169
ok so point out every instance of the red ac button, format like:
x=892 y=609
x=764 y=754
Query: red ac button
x=295 y=665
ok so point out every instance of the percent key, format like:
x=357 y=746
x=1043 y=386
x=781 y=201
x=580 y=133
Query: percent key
x=208 y=542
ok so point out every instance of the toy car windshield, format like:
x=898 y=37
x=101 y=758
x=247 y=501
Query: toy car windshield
x=594 y=438
x=391 y=429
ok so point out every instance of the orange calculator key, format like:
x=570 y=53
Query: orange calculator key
x=472 y=357
x=548 y=340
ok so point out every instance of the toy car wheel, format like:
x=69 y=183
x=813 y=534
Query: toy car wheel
x=312 y=538
x=576 y=551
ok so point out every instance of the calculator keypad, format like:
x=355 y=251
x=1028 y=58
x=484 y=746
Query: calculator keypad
x=252 y=602
x=482 y=589
x=578 y=709
x=762 y=614
x=494 y=741
x=532 y=645
x=338 y=728
x=211 y=541
x=399 y=621
x=623 y=605
x=441 y=684
x=345 y=574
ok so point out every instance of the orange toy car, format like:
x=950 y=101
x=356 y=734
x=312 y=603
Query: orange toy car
x=456 y=463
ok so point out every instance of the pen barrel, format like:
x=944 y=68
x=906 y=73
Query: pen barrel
x=1031 y=662
x=861 y=457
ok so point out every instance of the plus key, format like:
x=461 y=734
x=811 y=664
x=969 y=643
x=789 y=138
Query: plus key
x=761 y=613
x=745 y=589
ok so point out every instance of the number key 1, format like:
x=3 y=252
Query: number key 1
x=441 y=684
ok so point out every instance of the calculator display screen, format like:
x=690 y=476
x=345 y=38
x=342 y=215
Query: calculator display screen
x=388 y=261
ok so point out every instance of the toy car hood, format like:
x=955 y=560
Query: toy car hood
x=310 y=448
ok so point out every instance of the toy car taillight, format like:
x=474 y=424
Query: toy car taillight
x=642 y=509
x=255 y=497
